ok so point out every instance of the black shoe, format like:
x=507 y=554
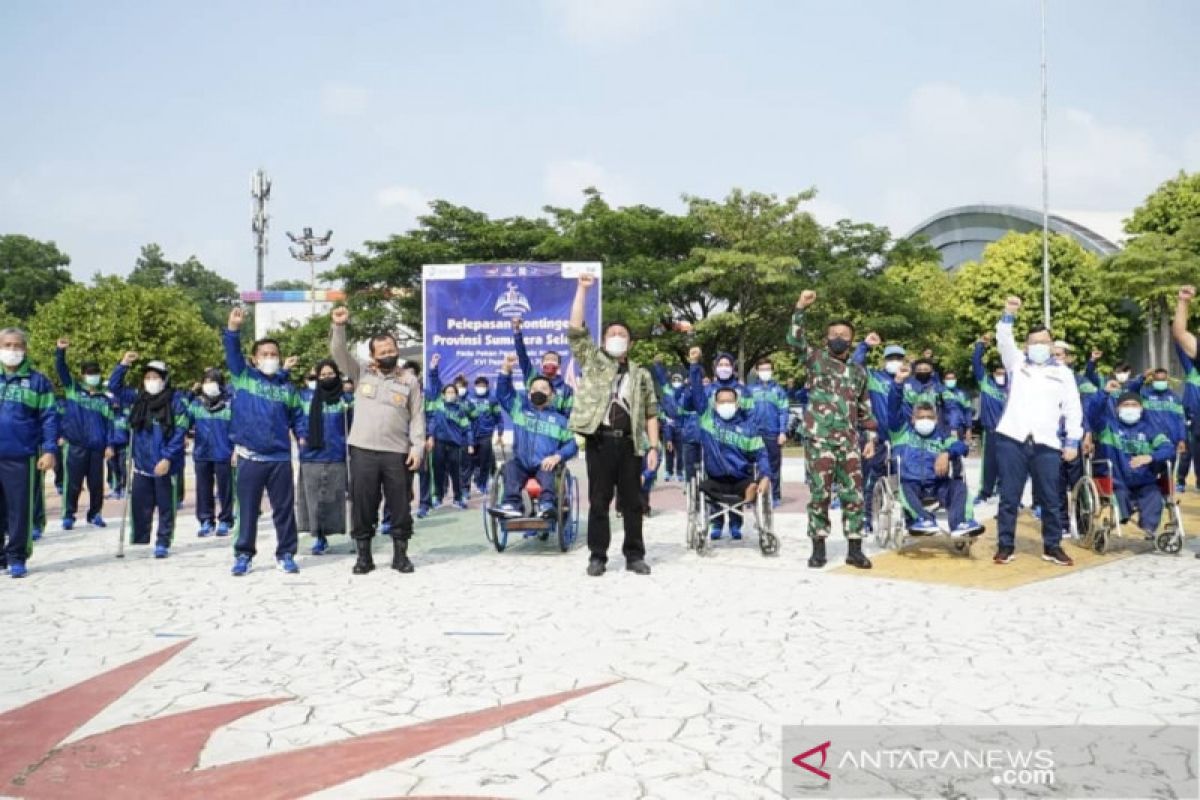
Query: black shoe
x=1055 y=555
x=400 y=561
x=596 y=568
x=855 y=556
x=817 y=559
x=1004 y=555
x=639 y=566
x=365 y=562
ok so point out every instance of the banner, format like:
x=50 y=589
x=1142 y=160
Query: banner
x=469 y=308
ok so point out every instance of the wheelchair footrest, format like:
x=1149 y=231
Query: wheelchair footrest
x=527 y=524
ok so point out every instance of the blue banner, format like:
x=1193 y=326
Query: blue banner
x=469 y=308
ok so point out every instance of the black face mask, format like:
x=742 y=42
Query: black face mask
x=387 y=363
x=329 y=384
x=538 y=398
x=838 y=346
x=923 y=377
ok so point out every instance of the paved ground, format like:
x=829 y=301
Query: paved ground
x=694 y=669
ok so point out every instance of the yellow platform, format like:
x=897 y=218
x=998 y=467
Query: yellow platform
x=934 y=560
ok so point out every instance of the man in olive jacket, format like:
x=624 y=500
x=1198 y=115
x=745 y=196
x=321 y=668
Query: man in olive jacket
x=616 y=411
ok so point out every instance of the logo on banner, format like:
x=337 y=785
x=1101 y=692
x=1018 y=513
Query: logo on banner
x=512 y=303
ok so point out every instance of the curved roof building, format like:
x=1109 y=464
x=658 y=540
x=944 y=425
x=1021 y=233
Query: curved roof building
x=961 y=233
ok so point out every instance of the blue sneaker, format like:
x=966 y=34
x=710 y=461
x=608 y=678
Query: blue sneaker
x=668 y=478
x=287 y=564
x=160 y=551
x=422 y=513
x=714 y=534
x=241 y=566
x=461 y=505
x=320 y=546
x=58 y=488
x=223 y=529
x=17 y=569
x=1180 y=488
x=68 y=523
x=835 y=504
x=1037 y=512
x=36 y=534
x=98 y=521
x=735 y=534
x=776 y=502
x=923 y=527
x=206 y=529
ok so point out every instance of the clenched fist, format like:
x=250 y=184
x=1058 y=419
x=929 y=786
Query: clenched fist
x=340 y=315
x=586 y=280
x=806 y=299
x=236 y=317
x=1013 y=304
x=873 y=339
x=694 y=355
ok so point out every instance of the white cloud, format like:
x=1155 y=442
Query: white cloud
x=343 y=99
x=411 y=201
x=611 y=21
x=565 y=180
x=954 y=148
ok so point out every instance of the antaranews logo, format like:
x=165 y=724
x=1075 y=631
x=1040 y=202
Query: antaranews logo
x=823 y=749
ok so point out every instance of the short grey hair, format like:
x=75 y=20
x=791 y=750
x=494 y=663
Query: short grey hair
x=15 y=332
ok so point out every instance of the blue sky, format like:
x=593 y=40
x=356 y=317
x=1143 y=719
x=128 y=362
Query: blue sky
x=136 y=122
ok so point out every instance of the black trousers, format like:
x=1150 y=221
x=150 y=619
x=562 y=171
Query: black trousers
x=379 y=475
x=613 y=466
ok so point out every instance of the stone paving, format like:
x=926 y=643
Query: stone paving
x=706 y=659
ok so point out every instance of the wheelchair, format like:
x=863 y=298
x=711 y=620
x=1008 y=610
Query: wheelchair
x=699 y=518
x=563 y=525
x=1096 y=514
x=888 y=525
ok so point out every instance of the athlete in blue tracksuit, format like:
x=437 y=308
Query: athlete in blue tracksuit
x=1161 y=405
x=1136 y=448
x=486 y=422
x=212 y=454
x=993 y=397
x=734 y=453
x=541 y=441
x=683 y=455
x=879 y=388
x=1191 y=407
x=118 y=480
x=927 y=449
x=28 y=423
x=266 y=412
x=449 y=428
x=321 y=497
x=958 y=400
x=551 y=369
x=158 y=425
x=88 y=431
x=771 y=408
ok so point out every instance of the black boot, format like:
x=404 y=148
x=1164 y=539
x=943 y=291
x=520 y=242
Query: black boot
x=400 y=560
x=855 y=557
x=817 y=559
x=365 y=562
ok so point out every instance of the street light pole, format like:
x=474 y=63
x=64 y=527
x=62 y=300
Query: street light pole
x=306 y=250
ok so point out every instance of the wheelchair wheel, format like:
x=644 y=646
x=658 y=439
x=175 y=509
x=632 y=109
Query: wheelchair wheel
x=882 y=510
x=1100 y=539
x=497 y=533
x=1170 y=541
x=764 y=521
x=1085 y=508
x=689 y=491
x=567 y=519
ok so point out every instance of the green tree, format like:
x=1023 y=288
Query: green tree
x=290 y=285
x=31 y=272
x=307 y=341
x=212 y=294
x=1169 y=207
x=105 y=320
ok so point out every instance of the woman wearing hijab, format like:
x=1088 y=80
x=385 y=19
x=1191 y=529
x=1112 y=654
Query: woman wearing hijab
x=323 y=459
x=158 y=422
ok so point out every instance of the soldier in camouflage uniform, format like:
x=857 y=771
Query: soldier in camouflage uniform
x=839 y=406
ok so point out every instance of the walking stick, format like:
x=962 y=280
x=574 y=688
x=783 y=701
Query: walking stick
x=127 y=494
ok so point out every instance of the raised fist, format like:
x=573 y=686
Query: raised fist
x=340 y=315
x=694 y=355
x=129 y=358
x=806 y=299
x=1013 y=304
x=63 y=343
x=290 y=362
x=516 y=324
x=586 y=280
x=436 y=359
x=1187 y=293
x=873 y=339
x=510 y=361
x=1097 y=355
x=236 y=316
x=986 y=339
x=904 y=372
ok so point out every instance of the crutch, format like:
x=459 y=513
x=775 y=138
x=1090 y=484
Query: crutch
x=349 y=501
x=128 y=493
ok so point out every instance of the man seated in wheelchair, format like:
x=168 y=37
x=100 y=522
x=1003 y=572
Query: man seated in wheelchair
x=733 y=450
x=541 y=440
x=930 y=457
x=1137 y=451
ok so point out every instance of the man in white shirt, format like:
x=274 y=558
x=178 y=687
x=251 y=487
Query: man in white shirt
x=1042 y=392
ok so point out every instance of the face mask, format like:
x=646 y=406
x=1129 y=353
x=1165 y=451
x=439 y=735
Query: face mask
x=12 y=358
x=450 y=397
x=1160 y=386
x=892 y=367
x=838 y=345
x=925 y=426
x=153 y=386
x=1000 y=379
x=726 y=410
x=91 y=380
x=387 y=363
x=268 y=366
x=1039 y=353
x=951 y=383
x=1122 y=376
x=481 y=391
x=211 y=389
x=923 y=377
x=765 y=375
x=1129 y=414
x=538 y=398
x=616 y=346
x=724 y=373
x=677 y=384
x=312 y=385
x=329 y=384
x=549 y=370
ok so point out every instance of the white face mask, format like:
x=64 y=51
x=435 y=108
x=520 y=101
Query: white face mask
x=312 y=385
x=481 y=391
x=1122 y=376
x=12 y=358
x=268 y=366
x=892 y=367
x=153 y=386
x=1130 y=415
x=92 y=380
x=925 y=426
x=616 y=346
x=765 y=375
x=726 y=410
x=1039 y=353
x=724 y=373
x=211 y=389
x=1000 y=379
x=677 y=384
x=951 y=383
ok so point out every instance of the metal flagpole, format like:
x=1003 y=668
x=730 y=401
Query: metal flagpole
x=1045 y=188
